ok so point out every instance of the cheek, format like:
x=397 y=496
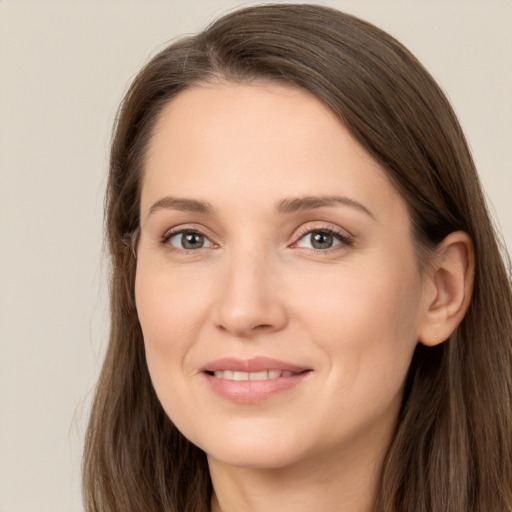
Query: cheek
x=168 y=323
x=368 y=322
x=169 y=307
x=167 y=328
x=363 y=300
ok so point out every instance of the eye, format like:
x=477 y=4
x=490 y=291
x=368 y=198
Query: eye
x=187 y=240
x=322 y=239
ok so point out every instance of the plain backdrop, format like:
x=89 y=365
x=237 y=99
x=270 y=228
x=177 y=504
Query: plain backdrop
x=63 y=69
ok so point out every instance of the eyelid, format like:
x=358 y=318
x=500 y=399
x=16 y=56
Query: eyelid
x=190 y=228
x=346 y=239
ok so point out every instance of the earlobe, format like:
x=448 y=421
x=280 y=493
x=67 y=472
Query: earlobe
x=450 y=288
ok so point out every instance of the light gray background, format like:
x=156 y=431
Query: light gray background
x=63 y=69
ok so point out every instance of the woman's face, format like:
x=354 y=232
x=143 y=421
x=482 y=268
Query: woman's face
x=277 y=285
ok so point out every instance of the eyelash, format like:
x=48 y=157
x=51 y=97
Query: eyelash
x=172 y=233
x=344 y=239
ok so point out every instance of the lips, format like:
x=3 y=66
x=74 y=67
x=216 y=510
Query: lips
x=248 y=381
x=263 y=375
x=255 y=364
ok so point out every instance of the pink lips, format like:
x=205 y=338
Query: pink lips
x=248 y=381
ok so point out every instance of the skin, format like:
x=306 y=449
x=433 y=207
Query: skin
x=351 y=314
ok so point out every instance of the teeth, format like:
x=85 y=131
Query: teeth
x=258 y=375
x=263 y=375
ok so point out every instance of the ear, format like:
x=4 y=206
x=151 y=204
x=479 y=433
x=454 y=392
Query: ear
x=448 y=289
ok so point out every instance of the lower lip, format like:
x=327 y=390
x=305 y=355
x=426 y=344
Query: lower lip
x=253 y=391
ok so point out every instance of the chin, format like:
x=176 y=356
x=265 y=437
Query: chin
x=257 y=450
x=254 y=457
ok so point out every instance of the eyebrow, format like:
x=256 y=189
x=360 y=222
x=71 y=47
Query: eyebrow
x=286 y=206
x=292 y=205
x=182 y=204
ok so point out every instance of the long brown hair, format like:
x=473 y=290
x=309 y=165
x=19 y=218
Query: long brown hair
x=452 y=449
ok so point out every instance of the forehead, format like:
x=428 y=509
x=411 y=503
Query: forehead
x=262 y=140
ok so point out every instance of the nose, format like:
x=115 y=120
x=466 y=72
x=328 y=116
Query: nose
x=250 y=301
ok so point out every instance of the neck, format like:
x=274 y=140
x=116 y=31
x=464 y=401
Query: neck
x=331 y=483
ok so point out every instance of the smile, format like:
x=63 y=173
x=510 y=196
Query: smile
x=249 y=381
x=263 y=375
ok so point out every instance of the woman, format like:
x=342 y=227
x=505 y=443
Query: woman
x=309 y=306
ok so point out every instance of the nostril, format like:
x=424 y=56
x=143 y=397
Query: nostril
x=246 y=315
x=263 y=326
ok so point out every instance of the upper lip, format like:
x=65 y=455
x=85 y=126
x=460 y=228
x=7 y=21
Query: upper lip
x=254 y=364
